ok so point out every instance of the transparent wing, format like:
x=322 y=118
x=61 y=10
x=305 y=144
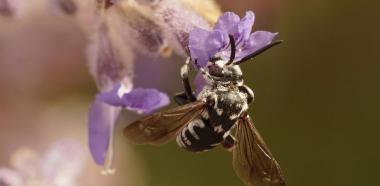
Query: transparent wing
x=161 y=127
x=252 y=160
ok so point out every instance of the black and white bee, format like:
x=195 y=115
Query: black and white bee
x=207 y=120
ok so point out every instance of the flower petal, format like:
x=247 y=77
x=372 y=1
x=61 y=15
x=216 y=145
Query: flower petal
x=114 y=97
x=130 y=25
x=10 y=177
x=101 y=123
x=204 y=45
x=216 y=41
x=228 y=23
x=260 y=39
x=245 y=25
x=145 y=100
x=257 y=40
x=109 y=64
x=197 y=46
x=178 y=20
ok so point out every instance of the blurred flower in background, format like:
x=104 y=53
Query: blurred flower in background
x=13 y=8
x=64 y=6
x=60 y=165
x=112 y=33
x=111 y=64
x=44 y=81
x=5 y=9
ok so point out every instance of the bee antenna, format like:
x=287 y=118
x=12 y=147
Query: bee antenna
x=233 y=49
x=256 y=53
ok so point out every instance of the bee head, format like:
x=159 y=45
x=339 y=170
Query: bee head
x=224 y=71
x=220 y=71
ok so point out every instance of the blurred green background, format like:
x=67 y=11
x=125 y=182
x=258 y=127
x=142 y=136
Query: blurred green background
x=316 y=101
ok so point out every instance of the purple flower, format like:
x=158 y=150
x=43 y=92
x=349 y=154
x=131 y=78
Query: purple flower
x=105 y=110
x=108 y=68
x=204 y=44
x=112 y=69
x=139 y=99
x=111 y=61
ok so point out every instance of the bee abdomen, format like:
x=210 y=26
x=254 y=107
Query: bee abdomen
x=198 y=136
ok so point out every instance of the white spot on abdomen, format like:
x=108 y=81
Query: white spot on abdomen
x=219 y=111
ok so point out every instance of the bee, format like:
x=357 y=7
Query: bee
x=207 y=120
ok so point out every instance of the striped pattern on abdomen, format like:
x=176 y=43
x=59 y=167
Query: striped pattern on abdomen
x=199 y=136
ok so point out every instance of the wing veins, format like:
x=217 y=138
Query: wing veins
x=252 y=160
x=161 y=127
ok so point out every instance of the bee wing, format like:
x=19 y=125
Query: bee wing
x=161 y=127
x=252 y=160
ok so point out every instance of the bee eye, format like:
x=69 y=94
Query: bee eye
x=215 y=70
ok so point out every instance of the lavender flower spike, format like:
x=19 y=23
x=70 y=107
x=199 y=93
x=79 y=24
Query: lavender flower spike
x=204 y=44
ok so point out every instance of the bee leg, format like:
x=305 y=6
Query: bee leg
x=181 y=98
x=185 y=81
x=229 y=142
